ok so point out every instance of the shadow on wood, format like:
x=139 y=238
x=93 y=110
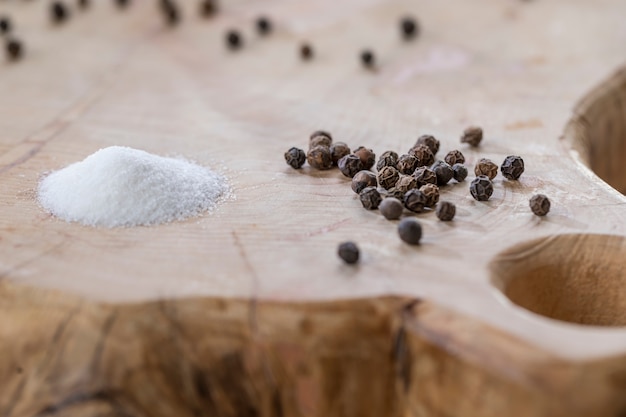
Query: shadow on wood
x=575 y=278
x=598 y=130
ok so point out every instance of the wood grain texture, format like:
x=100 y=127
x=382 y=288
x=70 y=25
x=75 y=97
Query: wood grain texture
x=258 y=316
x=206 y=357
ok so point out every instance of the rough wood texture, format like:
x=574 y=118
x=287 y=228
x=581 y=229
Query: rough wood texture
x=208 y=357
x=268 y=329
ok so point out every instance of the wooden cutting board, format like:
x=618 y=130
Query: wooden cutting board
x=247 y=311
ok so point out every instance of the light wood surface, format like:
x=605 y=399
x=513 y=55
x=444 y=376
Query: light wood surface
x=542 y=78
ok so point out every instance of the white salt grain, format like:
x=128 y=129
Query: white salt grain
x=120 y=186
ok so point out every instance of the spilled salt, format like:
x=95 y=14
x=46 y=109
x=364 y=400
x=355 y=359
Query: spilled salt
x=121 y=186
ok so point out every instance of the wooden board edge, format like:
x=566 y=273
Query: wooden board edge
x=67 y=356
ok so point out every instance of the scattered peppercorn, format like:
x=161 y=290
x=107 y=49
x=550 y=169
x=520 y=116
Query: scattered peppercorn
x=387 y=159
x=423 y=154
x=410 y=231
x=263 y=26
x=460 y=172
x=540 y=204
x=234 y=39
x=350 y=165
x=368 y=157
x=348 y=252
x=295 y=157
x=391 y=208
x=408 y=28
x=14 y=49
x=454 y=157
x=406 y=183
x=59 y=12
x=320 y=140
x=445 y=211
x=430 y=141
x=339 y=150
x=395 y=193
x=481 y=188
x=306 y=51
x=473 y=135
x=512 y=167
x=425 y=175
x=443 y=171
x=415 y=200
x=370 y=198
x=363 y=179
x=388 y=177
x=431 y=192
x=122 y=3
x=208 y=8
x=170 y=12
x=5 y=24
x=486 y=167
x=407 y=164
x=367 y=58
x=321 y=133
x=319 y=157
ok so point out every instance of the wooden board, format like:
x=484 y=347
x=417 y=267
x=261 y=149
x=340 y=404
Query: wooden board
x=258 y=316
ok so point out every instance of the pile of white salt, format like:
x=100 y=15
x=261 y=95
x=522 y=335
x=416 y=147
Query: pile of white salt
x=120 y=186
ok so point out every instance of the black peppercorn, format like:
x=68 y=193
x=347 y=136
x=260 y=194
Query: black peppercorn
x=387 y=159
x=320 y=140
x=170 y=12
x=473 y=135
x=460 y=172
x=5 y=24
x=370 y=198
x=14 y=49
x=388 y=177
x=481 y=188
x=430 y=141
x=363 y=179
x=395 y=193
x=423 y=154
x=83 y=4
x=339 y=150
x=454 y=157
x=234 y=40
x=122 y=3
x=512 y=167
x=306 y=51
x=539 y=204
x=408 y=28
x=368 y=157
x=486 y=167
x=348 y=252
x=406 y=183
x=445 y=211
x=391 y=208
x=425 y=175
x=295 y=157
x=407 y=164
x=321 y=133
x=415 y=200
x=431 y=192
x=367 y=58
x=208 y=8
x=59 y=12
x=350 y=165
x=443 y=171
x=319 y=157
x=263 y=26
x=410 y=231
